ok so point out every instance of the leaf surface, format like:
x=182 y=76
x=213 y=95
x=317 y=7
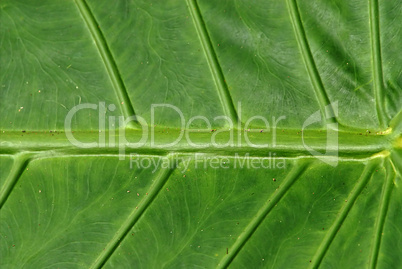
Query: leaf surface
x=232 y=193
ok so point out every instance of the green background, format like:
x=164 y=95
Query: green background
x=63 y=206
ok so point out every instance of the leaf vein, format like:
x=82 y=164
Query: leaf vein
x=21 y=161
x=308 y=58
x=216 y=70
x=256 y=221
x=343 y=213
x=385 y=199
x=377 y=62
x=134 y=216
x=107 y=57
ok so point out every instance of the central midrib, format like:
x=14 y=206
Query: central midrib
x=279 y=143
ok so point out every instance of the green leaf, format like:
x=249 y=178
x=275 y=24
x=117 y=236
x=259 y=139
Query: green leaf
x=320 y=186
